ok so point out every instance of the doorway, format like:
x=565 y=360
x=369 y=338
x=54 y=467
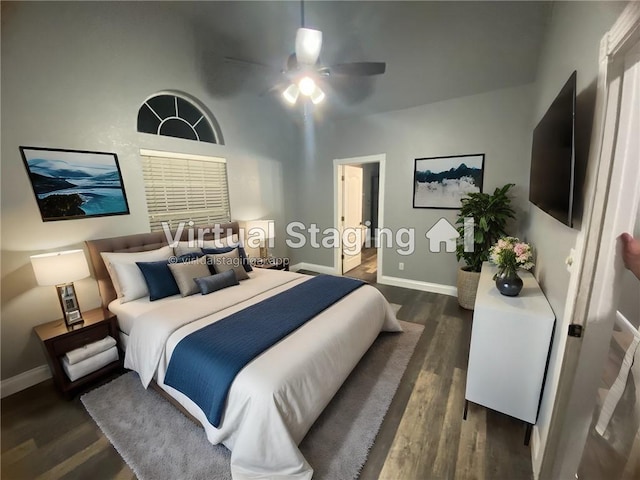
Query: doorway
x=583 y=403
x=358 y=215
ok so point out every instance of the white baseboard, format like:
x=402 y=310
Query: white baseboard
x=535 y=450
x=24 y=380
x=418 y=285
x=314 y=268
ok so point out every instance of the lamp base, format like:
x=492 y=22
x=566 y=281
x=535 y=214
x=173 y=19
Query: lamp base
x=264 y=252
x=69 y=304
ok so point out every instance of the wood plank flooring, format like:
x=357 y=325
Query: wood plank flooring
x=422 y=436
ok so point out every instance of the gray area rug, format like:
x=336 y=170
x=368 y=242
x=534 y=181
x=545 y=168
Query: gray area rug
x=158 y=442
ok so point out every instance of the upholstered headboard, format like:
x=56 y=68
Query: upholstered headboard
x=138 y=243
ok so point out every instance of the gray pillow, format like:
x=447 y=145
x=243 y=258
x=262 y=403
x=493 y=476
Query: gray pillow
x=221 y=262
x=216 y=282
x=185 y=273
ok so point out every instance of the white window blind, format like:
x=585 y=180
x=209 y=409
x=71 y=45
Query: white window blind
x=183 y=188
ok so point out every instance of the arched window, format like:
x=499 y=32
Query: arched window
x=174 y=114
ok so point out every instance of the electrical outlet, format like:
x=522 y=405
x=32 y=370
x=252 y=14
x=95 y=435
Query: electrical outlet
x=401 y=266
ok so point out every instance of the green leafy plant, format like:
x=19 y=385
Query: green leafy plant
x=490 y=213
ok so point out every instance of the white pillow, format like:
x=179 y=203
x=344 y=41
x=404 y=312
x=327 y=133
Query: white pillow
x=127 y=278
x=182 y=248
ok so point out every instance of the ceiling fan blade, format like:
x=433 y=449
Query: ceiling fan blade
x=358 y=69
x=308 y=45
x=246 y=63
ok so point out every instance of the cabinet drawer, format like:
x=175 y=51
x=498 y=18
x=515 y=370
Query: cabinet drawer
x=80 y=338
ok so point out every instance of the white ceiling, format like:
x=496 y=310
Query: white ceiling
x=434 y=50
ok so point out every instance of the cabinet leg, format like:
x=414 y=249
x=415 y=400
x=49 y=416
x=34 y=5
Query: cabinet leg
x=527 y=434
x=466 y=408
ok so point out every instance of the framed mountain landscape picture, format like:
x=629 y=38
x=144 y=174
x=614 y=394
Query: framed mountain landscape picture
x=441 y=182
x=72 y=184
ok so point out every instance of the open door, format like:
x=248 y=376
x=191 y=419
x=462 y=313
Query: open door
x=586 y=400
x=352 y=213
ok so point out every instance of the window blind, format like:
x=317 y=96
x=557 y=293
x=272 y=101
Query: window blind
x=182 y=189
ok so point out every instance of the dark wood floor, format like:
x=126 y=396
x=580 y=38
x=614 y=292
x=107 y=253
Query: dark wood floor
x=422 y=436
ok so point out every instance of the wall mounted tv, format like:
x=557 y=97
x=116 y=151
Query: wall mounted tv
x=552 y=179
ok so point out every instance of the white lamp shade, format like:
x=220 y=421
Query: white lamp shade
x=60 y=267
x=317 y=96
x=308 y=45
x=291 y=93
x=261 y=229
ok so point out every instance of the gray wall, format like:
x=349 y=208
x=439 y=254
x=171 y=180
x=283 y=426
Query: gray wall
x=74 y=76
x=572 y=43
x=495 y=123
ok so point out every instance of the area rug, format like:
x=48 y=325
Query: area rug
x=158 y=442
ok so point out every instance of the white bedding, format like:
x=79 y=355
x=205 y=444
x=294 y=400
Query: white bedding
x=276 y=398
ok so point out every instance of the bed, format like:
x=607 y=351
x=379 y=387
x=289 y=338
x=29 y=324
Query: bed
x=274 y=399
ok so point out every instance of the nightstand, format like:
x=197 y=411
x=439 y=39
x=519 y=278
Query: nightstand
x=58 y=339
x=272 y=263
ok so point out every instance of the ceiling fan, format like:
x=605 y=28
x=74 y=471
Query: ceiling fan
x=303 y=68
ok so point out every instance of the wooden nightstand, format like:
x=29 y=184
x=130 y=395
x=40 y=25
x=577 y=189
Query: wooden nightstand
x=58 y=339
x=272 y=263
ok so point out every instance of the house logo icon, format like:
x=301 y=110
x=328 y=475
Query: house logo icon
x=444 y=232
x=441 y=232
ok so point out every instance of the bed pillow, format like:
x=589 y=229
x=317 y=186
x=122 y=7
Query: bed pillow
x=189 y=257
x=222 y=262
x=183 y=248
x=213 y=283
x=243 y=256
x=185 y=273
x=159 y=279
x=127 y=278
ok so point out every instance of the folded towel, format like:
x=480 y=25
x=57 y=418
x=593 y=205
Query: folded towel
x=89 y=350
x=89 y=365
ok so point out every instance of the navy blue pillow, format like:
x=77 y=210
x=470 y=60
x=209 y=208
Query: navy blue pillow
x=216 y=282
x=187 y=257
x=243 y=256
x=159 y=279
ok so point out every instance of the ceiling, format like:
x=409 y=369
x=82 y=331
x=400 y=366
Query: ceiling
x=434 y=50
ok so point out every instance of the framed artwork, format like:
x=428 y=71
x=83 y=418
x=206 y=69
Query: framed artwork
x=441 y=182
x=72 y=184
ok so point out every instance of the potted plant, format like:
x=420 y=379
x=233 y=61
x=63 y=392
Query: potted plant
x=490 y=213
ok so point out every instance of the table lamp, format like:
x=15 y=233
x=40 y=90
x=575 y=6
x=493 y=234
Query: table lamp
x=262 y=230
x=62 y=269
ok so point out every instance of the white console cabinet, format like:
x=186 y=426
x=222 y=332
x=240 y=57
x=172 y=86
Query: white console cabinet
x=510 y=341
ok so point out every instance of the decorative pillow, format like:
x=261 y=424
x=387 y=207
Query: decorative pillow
x=159 y=279
x=186 y=248
x=183 y=248
x=243 y=256
x=213 y=283
x=185 y=273
x=222 y=262
x=188 y=257
x=126 y=276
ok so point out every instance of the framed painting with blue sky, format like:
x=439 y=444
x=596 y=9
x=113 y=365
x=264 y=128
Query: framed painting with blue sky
x=442 y=182
x=73 y=184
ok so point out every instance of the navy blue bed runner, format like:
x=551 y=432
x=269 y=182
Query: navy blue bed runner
x=205 y=363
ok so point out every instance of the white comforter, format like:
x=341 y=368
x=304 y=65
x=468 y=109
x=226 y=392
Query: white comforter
x=276 y=398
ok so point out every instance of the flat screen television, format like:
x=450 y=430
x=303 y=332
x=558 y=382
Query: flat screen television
x=552 y=178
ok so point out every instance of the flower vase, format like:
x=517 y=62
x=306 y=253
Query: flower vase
x=508 y=282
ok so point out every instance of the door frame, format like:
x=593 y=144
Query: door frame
x=337 y=203
x=571 y=415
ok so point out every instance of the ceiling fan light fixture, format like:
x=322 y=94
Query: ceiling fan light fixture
x=308 y=45
x=307 y=86
x=291 y=93
x=317 y=96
